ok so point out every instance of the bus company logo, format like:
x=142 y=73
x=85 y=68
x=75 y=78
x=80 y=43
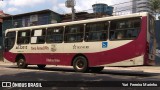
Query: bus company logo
x=53 y=48
x=6 y=84
x=80 y=47
x=104 y=44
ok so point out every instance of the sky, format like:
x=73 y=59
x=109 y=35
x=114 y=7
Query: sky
x=14 y=7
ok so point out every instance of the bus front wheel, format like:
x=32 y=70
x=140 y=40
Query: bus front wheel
x=21 y=63
x=80 y=64
x=41 y=66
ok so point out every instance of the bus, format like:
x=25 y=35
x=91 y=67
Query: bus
x=87 y=45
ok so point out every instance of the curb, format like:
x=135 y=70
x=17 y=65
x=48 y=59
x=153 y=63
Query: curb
x=149 y=69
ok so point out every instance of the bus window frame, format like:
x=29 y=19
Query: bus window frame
x=126 y=29
x=102 y=31
x=62 y=27
x=6 y=37
x=32 y=35
x=65 y=34
x=25 y=37
x=152 y=33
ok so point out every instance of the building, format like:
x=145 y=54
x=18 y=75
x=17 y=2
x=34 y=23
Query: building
x=2 y=14
x=78 y=16
x=99 y=10
x=140 y=6
x=30 y=19
x=102 y=9
x=82 y=16
x=27 y=19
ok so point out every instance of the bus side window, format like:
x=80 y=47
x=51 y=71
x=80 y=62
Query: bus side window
x=23 y=37
x=54 y=35
x=126 y=29
x=74 y=33
x=38 y=36
x=96 y=31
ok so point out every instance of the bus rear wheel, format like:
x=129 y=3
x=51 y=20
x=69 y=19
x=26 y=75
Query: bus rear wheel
x=21 y=63
x=80 y=64
x=96 y=69
x=41 y=66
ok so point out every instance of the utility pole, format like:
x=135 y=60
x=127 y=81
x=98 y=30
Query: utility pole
x=71 y=4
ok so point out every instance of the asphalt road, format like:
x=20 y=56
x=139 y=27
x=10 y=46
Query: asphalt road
x=52 y=73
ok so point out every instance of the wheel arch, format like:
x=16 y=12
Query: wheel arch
x=79 y=54
x=19 y=56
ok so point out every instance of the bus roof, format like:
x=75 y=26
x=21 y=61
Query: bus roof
x=81 y=21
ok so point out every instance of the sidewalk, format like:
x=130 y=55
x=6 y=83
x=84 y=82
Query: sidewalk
x=6 y=63
x=151 y=69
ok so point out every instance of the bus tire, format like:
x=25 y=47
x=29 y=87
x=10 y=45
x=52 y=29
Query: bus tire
x=41 y=66
x=96 y=69
x=80 y=64
x=21 y=63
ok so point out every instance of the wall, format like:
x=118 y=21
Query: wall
x=44 y=18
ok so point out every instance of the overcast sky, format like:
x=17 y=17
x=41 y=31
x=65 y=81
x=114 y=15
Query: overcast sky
x=23 y=6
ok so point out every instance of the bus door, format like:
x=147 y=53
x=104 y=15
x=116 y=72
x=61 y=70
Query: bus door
x=157 y=59
x=152 y=39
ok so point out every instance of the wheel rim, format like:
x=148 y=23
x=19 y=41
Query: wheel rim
x=80 y=64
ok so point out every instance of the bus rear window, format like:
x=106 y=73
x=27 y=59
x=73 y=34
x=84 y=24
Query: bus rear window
x=10 y=40
x=151 y=25
x=23 y=37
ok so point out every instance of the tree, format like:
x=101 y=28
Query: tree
x=155 y=6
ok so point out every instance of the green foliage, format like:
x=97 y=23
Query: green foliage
x=155 y=6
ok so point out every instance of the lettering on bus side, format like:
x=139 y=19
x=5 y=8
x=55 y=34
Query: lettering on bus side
x=21 y=47
x=40 y=48
x=80 y=47
x=52 y=60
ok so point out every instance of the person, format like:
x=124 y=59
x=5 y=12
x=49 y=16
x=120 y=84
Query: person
x=112 y=37
x=120 y=35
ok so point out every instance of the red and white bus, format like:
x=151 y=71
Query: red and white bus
x=92 y=44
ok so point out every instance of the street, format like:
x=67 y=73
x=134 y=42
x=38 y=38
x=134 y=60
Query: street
x=10 y=72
